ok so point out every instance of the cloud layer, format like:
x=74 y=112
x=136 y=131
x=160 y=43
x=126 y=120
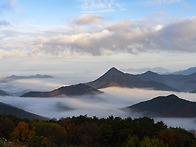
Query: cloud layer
x=87 y=19
x=100 y=6
x=102 y=105
x=100 y=38
x=161 y=2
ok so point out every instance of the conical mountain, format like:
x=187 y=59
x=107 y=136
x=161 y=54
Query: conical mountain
x=116 y=78
x=113 y=77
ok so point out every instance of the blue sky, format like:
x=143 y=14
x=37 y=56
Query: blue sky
x=36 y=34
x=60 y=12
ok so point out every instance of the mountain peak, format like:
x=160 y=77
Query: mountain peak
x=150 y=73
x=113 y=70
x=172 y=96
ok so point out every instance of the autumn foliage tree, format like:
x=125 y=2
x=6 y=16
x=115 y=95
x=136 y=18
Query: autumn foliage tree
x=22 y=132
x=71 y=130
x=176 y=137
x=96 y=132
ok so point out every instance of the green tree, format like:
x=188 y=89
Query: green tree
x=154 y=142
x=106 y=133
x=132 y=141
x=6 y=127
x=88 y=134
x=54 y=132
x=39 y=141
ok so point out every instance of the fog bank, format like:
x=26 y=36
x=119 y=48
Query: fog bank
x=102 y=105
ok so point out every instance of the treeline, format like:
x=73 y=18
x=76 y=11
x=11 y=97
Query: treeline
x=84 y=131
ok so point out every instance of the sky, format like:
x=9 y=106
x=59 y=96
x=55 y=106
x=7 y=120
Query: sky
x=95 y=35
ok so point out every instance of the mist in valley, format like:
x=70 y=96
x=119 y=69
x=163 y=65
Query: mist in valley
x=101 y=105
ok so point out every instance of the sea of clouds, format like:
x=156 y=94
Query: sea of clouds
x=101 y=105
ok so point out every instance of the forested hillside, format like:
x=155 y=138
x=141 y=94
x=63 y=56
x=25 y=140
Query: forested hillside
x=85 y=131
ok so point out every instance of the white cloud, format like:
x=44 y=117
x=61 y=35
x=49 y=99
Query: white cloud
x=12 y=53
x=129 y=37
x=100 y=6
x=132 y=37
x=87 y=19
x=161 y=2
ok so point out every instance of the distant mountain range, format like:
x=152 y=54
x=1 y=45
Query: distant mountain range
x=149 y=79
x=183 y=83
x=159 y=70
x=14 y=77
x=115 y=78
x=8 y=109
x=194 y=91
x=186 y=72
x=165 y=106
x=73 y=90
x=3 y=93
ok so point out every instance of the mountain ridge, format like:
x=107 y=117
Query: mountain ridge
x=73 y=90
x=114 y=77
x=3 y=93
x=8 y=109
x=150 y=80
x=165 y=106
x=14 y=77
x=187 y=71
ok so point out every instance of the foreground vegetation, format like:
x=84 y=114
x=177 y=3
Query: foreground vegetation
x=91 y=132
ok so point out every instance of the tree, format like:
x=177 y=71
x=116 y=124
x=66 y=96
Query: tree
x=88 y=134
x=6 y=127
x=106 y=133
x=22 y=132
x=39 y=141
x=54 y=132
x=144 y=127
x=176 y=137
x=154 y=142
x=71 y=130
x=132 y=141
